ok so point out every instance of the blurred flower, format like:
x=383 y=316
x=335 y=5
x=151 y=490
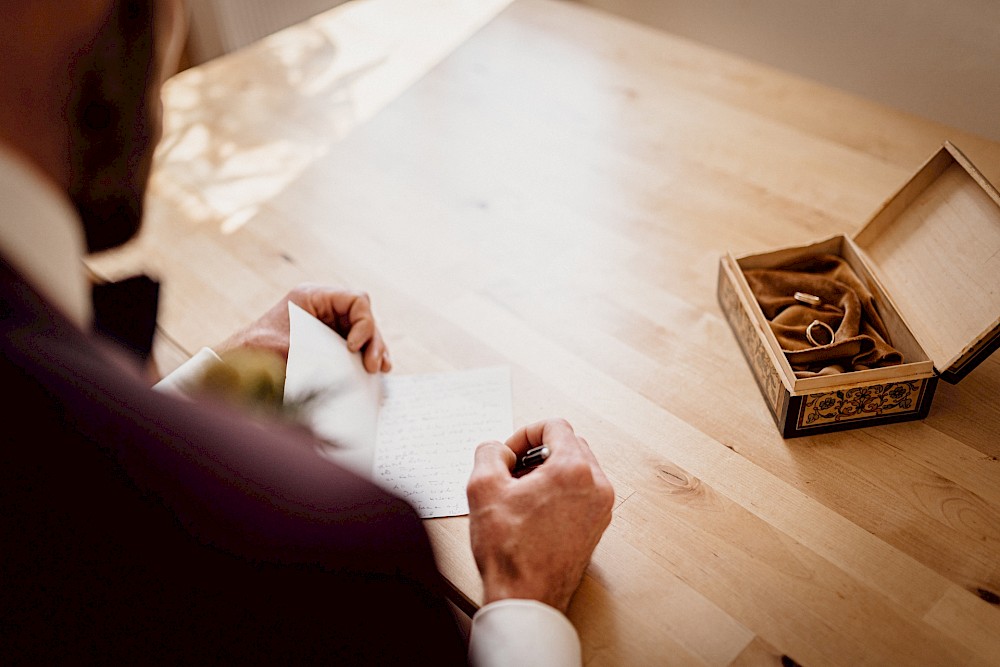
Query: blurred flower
x=255 y=380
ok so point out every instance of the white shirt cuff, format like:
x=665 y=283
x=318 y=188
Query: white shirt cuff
x=524 y=633
x=188 y=376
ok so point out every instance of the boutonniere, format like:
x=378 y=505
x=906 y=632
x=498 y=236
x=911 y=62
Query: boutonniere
x=255 y=381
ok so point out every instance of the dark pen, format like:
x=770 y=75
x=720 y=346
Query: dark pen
x=533 y=458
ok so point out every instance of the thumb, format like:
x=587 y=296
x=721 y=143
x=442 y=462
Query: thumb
x=493 y=457
x=490 y=471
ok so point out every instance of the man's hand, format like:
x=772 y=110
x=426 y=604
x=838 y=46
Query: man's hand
x=347 y=313
x=532 y=536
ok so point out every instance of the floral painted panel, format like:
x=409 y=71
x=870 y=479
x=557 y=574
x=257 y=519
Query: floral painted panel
x=860 y=403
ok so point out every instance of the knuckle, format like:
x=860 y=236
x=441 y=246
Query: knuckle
x=474 y=485
x=482 y=447
x=360 y=304
x=479 y=487
x=576 y=473
x=580 y=468
x=304 y=288
x=476 y=480
x=561 y=423
x=607 y=495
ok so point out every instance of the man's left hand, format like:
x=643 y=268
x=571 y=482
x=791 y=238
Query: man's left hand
x=346 y=312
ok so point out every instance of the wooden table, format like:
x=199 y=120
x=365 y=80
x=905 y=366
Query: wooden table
x=554 y=195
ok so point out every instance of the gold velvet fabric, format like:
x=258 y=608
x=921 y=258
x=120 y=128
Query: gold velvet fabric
x=860 y=340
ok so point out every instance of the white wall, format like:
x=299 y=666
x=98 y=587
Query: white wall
x=221 y=26
x=936 y=58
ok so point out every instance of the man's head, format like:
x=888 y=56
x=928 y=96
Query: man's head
x=79 y=97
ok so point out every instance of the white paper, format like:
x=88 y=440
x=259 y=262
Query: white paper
x=344 y=407
x=428 y=429
x=414 y=434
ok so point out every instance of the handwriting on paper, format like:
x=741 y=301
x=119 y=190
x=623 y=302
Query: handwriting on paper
x=414 y=434
x=428 y=429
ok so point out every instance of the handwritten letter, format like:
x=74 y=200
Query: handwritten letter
x=428 y=429
x=414 y=434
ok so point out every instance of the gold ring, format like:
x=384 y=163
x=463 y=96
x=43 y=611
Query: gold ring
x=823 y=325
x=809 y=299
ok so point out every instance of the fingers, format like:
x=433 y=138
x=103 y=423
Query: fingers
x=494 y=457
x=588 y=454
x=551 y=432
x=360 y=333
x=349 y=314
x=601 y=481
x=375 y=356
x=491 y=469
x=363 y=335
x=568 y=452
x=564 y=445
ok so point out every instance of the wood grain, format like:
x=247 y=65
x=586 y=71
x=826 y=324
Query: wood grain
x=555 y=195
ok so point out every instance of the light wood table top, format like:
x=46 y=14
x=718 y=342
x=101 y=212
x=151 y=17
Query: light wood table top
x=553 y=193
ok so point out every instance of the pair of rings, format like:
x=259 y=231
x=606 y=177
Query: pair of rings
x=813 y=300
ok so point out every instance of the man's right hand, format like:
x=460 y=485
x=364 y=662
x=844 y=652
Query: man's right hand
x=533 y=536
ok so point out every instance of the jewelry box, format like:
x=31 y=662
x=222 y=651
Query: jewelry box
x=931 y=258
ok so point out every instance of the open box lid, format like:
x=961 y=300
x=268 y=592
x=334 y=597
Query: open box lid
x=935 y=247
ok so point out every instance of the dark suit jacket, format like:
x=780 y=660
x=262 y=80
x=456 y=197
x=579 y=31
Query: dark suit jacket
x=139 y=528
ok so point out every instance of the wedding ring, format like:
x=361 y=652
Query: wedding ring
x=822 y=325
x=809 y=299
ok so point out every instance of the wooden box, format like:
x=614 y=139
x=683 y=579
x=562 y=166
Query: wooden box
x=931 y=258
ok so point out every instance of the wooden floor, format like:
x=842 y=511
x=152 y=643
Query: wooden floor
x=554 y=195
